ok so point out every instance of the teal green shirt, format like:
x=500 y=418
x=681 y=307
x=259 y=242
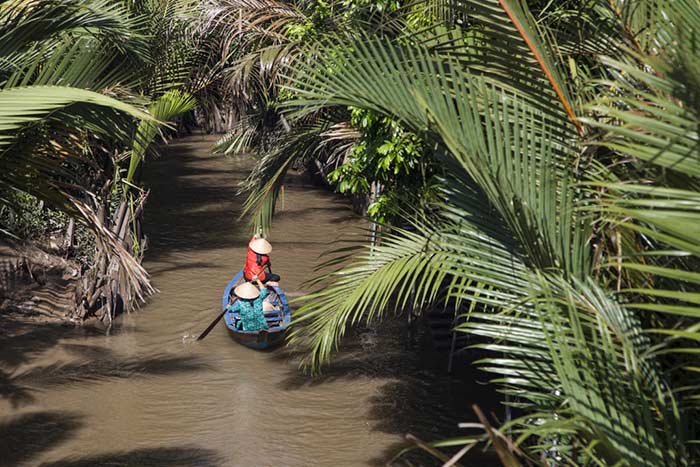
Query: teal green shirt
x=251 y=311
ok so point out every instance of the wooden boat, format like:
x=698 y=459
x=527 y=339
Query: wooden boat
x=278 y=319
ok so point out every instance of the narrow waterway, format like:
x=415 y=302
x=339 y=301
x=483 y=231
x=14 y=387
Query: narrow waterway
x=148 y=395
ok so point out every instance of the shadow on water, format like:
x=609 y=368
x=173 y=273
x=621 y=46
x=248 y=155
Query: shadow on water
x=20 y=344
x=180 y=191
x=24 y=437
x=91 y=363
x=420 y=398
x=414 y=394
x=190 y=196
x=187 y=456
x=109 y=367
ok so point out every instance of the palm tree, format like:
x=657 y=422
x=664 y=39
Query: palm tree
x=85 y=86
x=259 y=41
x=53 y=63
x=568 y=230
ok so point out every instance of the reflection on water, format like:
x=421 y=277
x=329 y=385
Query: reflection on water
x=148 y=395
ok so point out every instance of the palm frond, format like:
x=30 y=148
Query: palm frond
x=26 y=22
x=467 y=254
x=302 y=143
x=84 y=63
x=654 y=127
x=523 y=228
x=165 y=108
x=23 y=105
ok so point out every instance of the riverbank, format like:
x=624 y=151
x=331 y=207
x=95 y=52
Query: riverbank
x=36 y=287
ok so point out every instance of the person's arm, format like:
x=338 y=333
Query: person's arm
x=236 y=308
x=263 y=289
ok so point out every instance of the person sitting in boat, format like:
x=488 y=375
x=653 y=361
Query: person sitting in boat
x=257 y=260
x=249 y=306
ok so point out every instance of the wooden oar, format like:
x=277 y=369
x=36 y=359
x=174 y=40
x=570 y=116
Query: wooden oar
x=213 y=323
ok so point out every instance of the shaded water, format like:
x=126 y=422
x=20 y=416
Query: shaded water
x=148 y=395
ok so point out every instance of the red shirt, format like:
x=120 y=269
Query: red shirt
x=255 y=264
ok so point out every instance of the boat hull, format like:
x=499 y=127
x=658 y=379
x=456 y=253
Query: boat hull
x=260 y=340
x=267 y=338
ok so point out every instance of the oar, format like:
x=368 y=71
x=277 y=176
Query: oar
x=213 y=323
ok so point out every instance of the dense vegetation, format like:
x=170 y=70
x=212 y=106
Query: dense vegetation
x=85 y=87
x=534 y=167
x=566 y=231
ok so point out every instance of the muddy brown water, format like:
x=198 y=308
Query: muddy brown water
x=143 y=393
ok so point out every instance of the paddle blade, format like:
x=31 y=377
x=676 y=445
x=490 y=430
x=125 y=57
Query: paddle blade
x=211 y=326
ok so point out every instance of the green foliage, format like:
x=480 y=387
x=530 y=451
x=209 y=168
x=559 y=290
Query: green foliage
x=566 y=237
x=300 y=32
x=81 y=84
x=169 y=105
x=24 y=216
x=395 y=161
x=360 y=151
x=56 y=67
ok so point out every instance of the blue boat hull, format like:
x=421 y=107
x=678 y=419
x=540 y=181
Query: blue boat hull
x=278 y=320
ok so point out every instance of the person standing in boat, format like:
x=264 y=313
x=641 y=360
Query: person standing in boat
x=249 y=306
x=257 y=260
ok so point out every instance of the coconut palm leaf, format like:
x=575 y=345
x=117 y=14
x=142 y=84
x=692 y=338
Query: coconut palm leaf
x=425 y=261
x=527 y=28
x=494 y=133
x=599 y=363
x=305 y=141
x=53 y=63
x=517 y=235
x=650 y=112
x=174 y=49
x=652 y=127
x=81 y=63
x=26 y=22
x=256 y=32
x=165 y=108
x=23 y=105
x=649 y=22
x=36 y=174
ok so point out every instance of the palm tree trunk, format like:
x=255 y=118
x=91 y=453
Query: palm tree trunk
x=70 y=232
x=106 y=291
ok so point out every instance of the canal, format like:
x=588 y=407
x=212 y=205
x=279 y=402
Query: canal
x=144 y=393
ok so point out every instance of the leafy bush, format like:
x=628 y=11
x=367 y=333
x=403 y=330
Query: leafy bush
x=392 y=158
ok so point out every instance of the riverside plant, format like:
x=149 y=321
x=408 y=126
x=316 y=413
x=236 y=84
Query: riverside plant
x=566 y=236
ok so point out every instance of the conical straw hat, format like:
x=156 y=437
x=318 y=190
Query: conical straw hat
x=247 y=291
x=261 y=246
x=267 y=306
